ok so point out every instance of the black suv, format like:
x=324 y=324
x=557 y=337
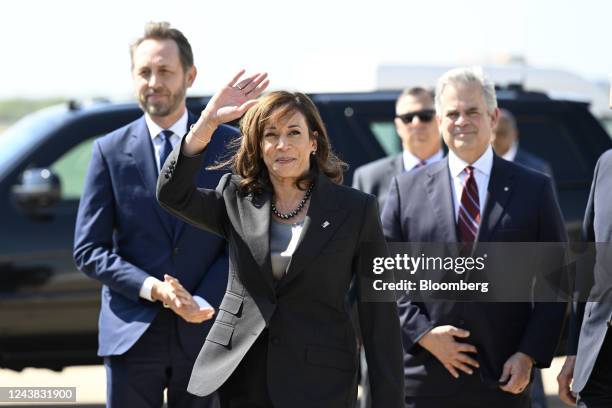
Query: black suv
x=48 y=310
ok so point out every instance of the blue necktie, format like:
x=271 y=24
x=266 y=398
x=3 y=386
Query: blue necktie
x=166 y=147
x=163 y=155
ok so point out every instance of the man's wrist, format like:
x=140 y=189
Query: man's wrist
x=156 y=291
x=528 y=357
x=147 y=288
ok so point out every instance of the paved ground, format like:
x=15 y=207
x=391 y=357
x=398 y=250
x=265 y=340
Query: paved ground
x=91 y=383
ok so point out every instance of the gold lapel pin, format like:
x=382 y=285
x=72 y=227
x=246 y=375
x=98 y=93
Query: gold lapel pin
x=325 y=224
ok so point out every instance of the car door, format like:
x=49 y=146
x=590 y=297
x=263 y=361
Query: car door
x=41 y=291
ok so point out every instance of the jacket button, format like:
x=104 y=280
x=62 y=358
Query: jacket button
x=275 y=340
x=167 y=176
x=172 y=161
x=610 y=323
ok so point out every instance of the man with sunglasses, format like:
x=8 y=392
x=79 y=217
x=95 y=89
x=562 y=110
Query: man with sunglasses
x=421 y=144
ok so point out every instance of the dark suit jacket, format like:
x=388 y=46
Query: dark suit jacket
x=312 y=354
x=521 y=206
x=533 y=162
x=591 y=320
x=122 y=236
x=375 y=177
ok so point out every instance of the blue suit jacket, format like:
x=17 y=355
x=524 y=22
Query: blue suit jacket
x=591 y=320
x=122 y=236
x=521 y=206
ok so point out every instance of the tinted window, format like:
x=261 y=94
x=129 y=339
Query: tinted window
x=71 y=169
x=387 y=137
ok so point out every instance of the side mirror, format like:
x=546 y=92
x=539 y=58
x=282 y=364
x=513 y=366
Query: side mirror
x=38 y=191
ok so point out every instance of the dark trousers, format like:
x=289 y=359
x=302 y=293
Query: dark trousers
x=597 y=392
x=247 y=387
x=156 y=362
x=474 y=394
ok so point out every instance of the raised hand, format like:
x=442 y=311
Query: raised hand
x=440 y=341
x=235 y=98
x=229 y=103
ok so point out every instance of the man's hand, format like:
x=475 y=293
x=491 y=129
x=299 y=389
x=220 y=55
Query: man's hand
x=564 y=379
x=176 y=297
x=440 y=341
x=518 y=370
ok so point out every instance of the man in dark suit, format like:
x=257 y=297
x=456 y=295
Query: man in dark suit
x=421 y=144
x=589 y=361
x=505 y=142
x=473 y=354
x=124 y=239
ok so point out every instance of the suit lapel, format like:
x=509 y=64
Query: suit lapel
x=323 y=219
x=140 y=149
x=254 y=218
x=397 y=167
x=499 y=191
x=440 y=193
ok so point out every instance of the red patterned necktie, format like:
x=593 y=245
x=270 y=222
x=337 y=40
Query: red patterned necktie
x=469 y=210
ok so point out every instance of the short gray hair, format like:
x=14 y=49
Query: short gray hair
x=465 y=75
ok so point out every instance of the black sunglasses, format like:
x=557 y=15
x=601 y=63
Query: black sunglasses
x=425 y=115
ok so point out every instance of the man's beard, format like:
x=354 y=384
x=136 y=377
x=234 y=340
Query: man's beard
x=161 y=108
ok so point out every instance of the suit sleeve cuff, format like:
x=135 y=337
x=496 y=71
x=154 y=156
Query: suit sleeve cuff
x=147 y=286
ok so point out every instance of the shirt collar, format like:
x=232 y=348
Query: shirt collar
x=179 y=127
x=484 y=164
x=410 y=160
x=511 y=153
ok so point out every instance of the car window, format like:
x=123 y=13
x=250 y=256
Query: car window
x=71 y=168
x=387 y=137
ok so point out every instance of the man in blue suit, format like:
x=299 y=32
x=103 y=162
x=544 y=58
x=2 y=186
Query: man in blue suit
x=156 y=306
x=471 y=354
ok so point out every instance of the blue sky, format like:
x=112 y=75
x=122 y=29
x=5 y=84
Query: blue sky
x=79 y=49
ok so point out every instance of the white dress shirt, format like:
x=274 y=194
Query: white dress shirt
x=410 y=160
x=482 y=173
x=511 y=153
x=179 y=128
